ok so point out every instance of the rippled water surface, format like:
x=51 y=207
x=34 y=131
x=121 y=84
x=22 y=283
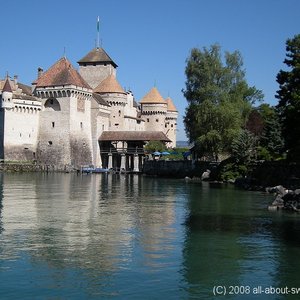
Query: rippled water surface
x=64 y=236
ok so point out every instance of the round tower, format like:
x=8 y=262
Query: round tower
x=171 y=122
x=112 y=92
x=7 y=95
x=154 y=111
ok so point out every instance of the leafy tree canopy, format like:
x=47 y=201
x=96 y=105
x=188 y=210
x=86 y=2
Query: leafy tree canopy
x=219 y=99
x=289 y=95
x=153 y=146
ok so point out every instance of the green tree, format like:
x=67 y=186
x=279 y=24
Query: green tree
x=244 y=147
x=153 y=146
x=271 y=139
x=219 y=99
x=289 y=97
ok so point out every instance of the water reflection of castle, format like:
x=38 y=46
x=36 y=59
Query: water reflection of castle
x=67 y=222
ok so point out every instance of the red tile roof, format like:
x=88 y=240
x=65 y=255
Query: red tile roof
x=153 y=97
x=171 y=106
x=109 y=85
x=97 y=55
x=7 y=86
x=61 y=73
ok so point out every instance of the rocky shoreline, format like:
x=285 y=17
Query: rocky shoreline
x=285 y=199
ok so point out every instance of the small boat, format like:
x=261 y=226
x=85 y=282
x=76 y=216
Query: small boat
x=89 y=170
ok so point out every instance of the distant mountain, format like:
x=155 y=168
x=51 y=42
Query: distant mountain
x=182 y=144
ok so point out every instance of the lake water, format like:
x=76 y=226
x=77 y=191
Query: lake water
x=105 y=236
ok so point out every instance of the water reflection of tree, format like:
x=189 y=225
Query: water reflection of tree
x=217 y=250
x=286 y=231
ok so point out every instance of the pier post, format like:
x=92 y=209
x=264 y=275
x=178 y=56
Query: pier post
x=136 y=163
x=123 y=162
x=110 y=161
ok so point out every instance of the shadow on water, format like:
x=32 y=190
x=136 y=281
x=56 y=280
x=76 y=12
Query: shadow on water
x=232 y=239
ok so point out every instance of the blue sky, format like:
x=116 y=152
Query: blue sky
x=149 y=40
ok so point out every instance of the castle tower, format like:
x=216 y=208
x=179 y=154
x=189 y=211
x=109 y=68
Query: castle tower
x=7 y=94
x=19 y=117
x=112 y=92
x=154 y=111
x=171 y=122
x=65 y=121
x=6 y=102
x=96 y=66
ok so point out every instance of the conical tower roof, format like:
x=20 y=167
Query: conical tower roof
x=109 y=85
x=61 y=73
x=7 y=86
x=97 y=55
x=153 y=97
x=171 y=106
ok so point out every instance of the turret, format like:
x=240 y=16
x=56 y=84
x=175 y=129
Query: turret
x=154 y=110
x=7 y=94
x=112 y=92
x=171 y=122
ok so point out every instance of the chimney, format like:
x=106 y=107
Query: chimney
x=40 y=72
x=16 y=79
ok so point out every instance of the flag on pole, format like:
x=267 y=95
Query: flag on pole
x=98 y=26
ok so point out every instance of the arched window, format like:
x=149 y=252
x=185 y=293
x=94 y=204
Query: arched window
x=52 y=104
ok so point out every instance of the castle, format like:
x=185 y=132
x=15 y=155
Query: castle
x=70 y=118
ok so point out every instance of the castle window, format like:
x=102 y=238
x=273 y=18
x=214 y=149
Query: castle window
x=25 y=148
x=119 y=113
x=103 y=127
x=148 y=120
x=166 y=125
x=81 y=125
x=117 y=124
x=20 y=134
x=50 y=143
x=52 y=104
x=53 y=124
x=171 y=125
x=156 y=120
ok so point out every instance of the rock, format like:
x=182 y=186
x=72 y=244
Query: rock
x=278 y=201
x=285 y=199
x=205 y=175
x=279 y=189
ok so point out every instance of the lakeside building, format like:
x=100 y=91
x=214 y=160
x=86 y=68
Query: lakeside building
x=70 y=118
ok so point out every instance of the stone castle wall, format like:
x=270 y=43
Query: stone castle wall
x=154 y=116
x=20 y=125
x=94 y=74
